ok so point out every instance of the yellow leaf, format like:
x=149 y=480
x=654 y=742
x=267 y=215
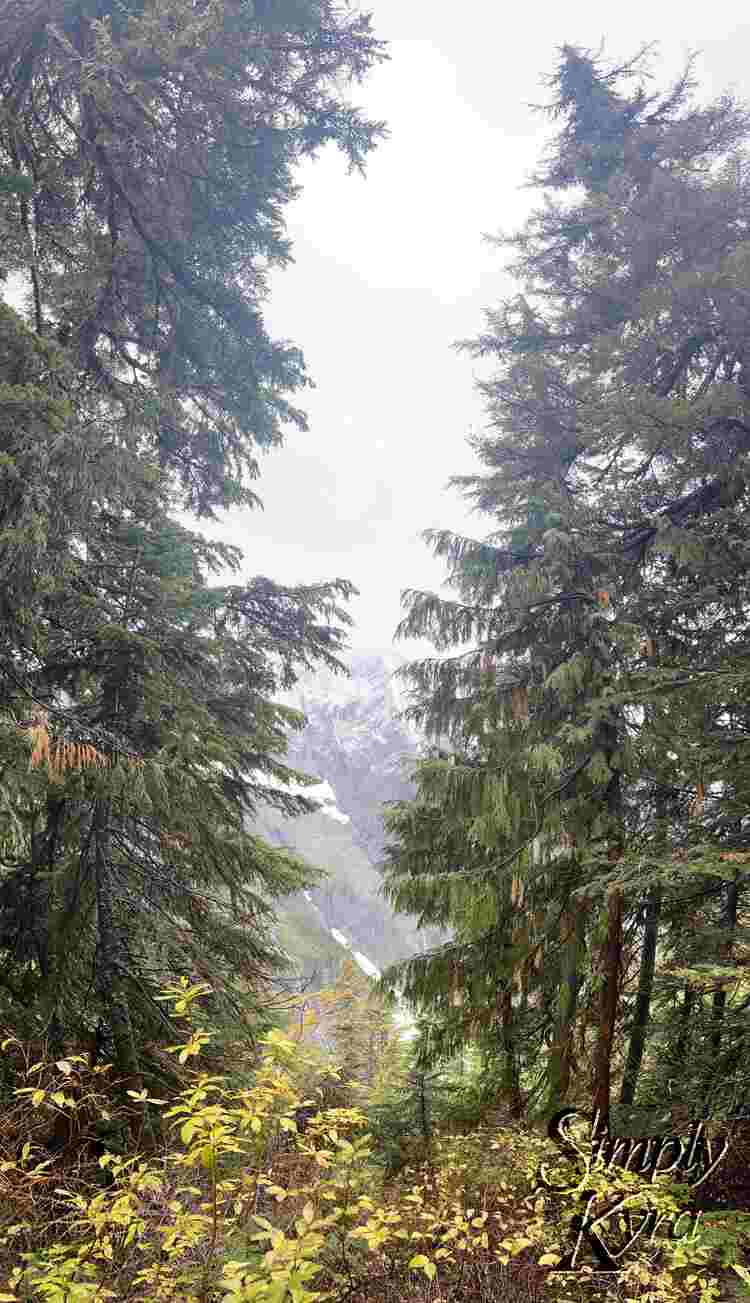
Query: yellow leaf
x=308 y=1213
x=37 y=1097
x=429 y=1268
x=548 y=1260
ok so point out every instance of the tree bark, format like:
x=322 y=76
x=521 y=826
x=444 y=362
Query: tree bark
x=43 y=850
x=32 y=914
x=611 y=960
x=729 y=920
x=612 y=950
x=561 y=1050
x=109 y=982
x=720 y=998
x=511 y=1076
x=643 y=998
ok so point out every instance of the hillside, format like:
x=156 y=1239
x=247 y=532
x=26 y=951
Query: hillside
x=357 y=747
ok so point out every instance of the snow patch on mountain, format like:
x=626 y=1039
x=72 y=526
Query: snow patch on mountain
x=363 y=962
x=323 y=793
x=372 y=690
x=366 y=964
x=401 y=1014
x=360 y=756
x=355 y=740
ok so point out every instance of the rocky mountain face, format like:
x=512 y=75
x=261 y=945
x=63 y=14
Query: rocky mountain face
x=361 y=752
x=355 y=742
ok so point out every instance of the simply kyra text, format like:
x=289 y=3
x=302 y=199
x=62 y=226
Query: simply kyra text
x=690 y=1158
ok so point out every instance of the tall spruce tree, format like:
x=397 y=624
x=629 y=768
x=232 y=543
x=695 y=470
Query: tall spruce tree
x=611 y=593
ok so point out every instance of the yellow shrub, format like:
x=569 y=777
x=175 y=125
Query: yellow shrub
x=241 y=1208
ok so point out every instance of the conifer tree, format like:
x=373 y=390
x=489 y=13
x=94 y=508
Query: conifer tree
x=155 y=147
x=146 y=155
x=132 y=861
x=610 y=594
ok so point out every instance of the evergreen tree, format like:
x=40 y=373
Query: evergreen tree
x=146 y=155
x=610 y=595
x=155 y=147
x=353 y=1021
x=132 y=861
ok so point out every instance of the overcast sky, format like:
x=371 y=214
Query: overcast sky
x=391 y=269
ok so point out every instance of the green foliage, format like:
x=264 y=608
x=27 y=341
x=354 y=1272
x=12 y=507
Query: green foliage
x=581 y=826
x=146 y=156
x=176 y=679
x=414 y=1107
x=166 y=141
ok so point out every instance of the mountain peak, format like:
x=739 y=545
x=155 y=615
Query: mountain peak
x=359 y=751
x=370 y=688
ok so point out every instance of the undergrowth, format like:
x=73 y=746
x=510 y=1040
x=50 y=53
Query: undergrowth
x=275 y=1193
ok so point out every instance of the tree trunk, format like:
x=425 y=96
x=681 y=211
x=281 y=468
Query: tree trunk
x=683 y=1038
x=612 y=951
x=38 y=901
x=729 y=920
x=511 y=1077
x=109 y=983
x=643 y=998
x=611 y=959
x=561 y=1050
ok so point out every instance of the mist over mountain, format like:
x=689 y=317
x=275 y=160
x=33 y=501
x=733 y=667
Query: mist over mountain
x=361 y=753
x=355 y=741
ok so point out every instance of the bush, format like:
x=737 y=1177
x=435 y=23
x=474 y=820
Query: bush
x=229 y=1212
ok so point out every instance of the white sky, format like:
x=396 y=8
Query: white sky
x=391 y=269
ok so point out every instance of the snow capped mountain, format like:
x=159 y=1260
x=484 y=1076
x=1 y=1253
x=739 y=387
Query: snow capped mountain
x=361 y=753
x=355 y=741
x=370 y=687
